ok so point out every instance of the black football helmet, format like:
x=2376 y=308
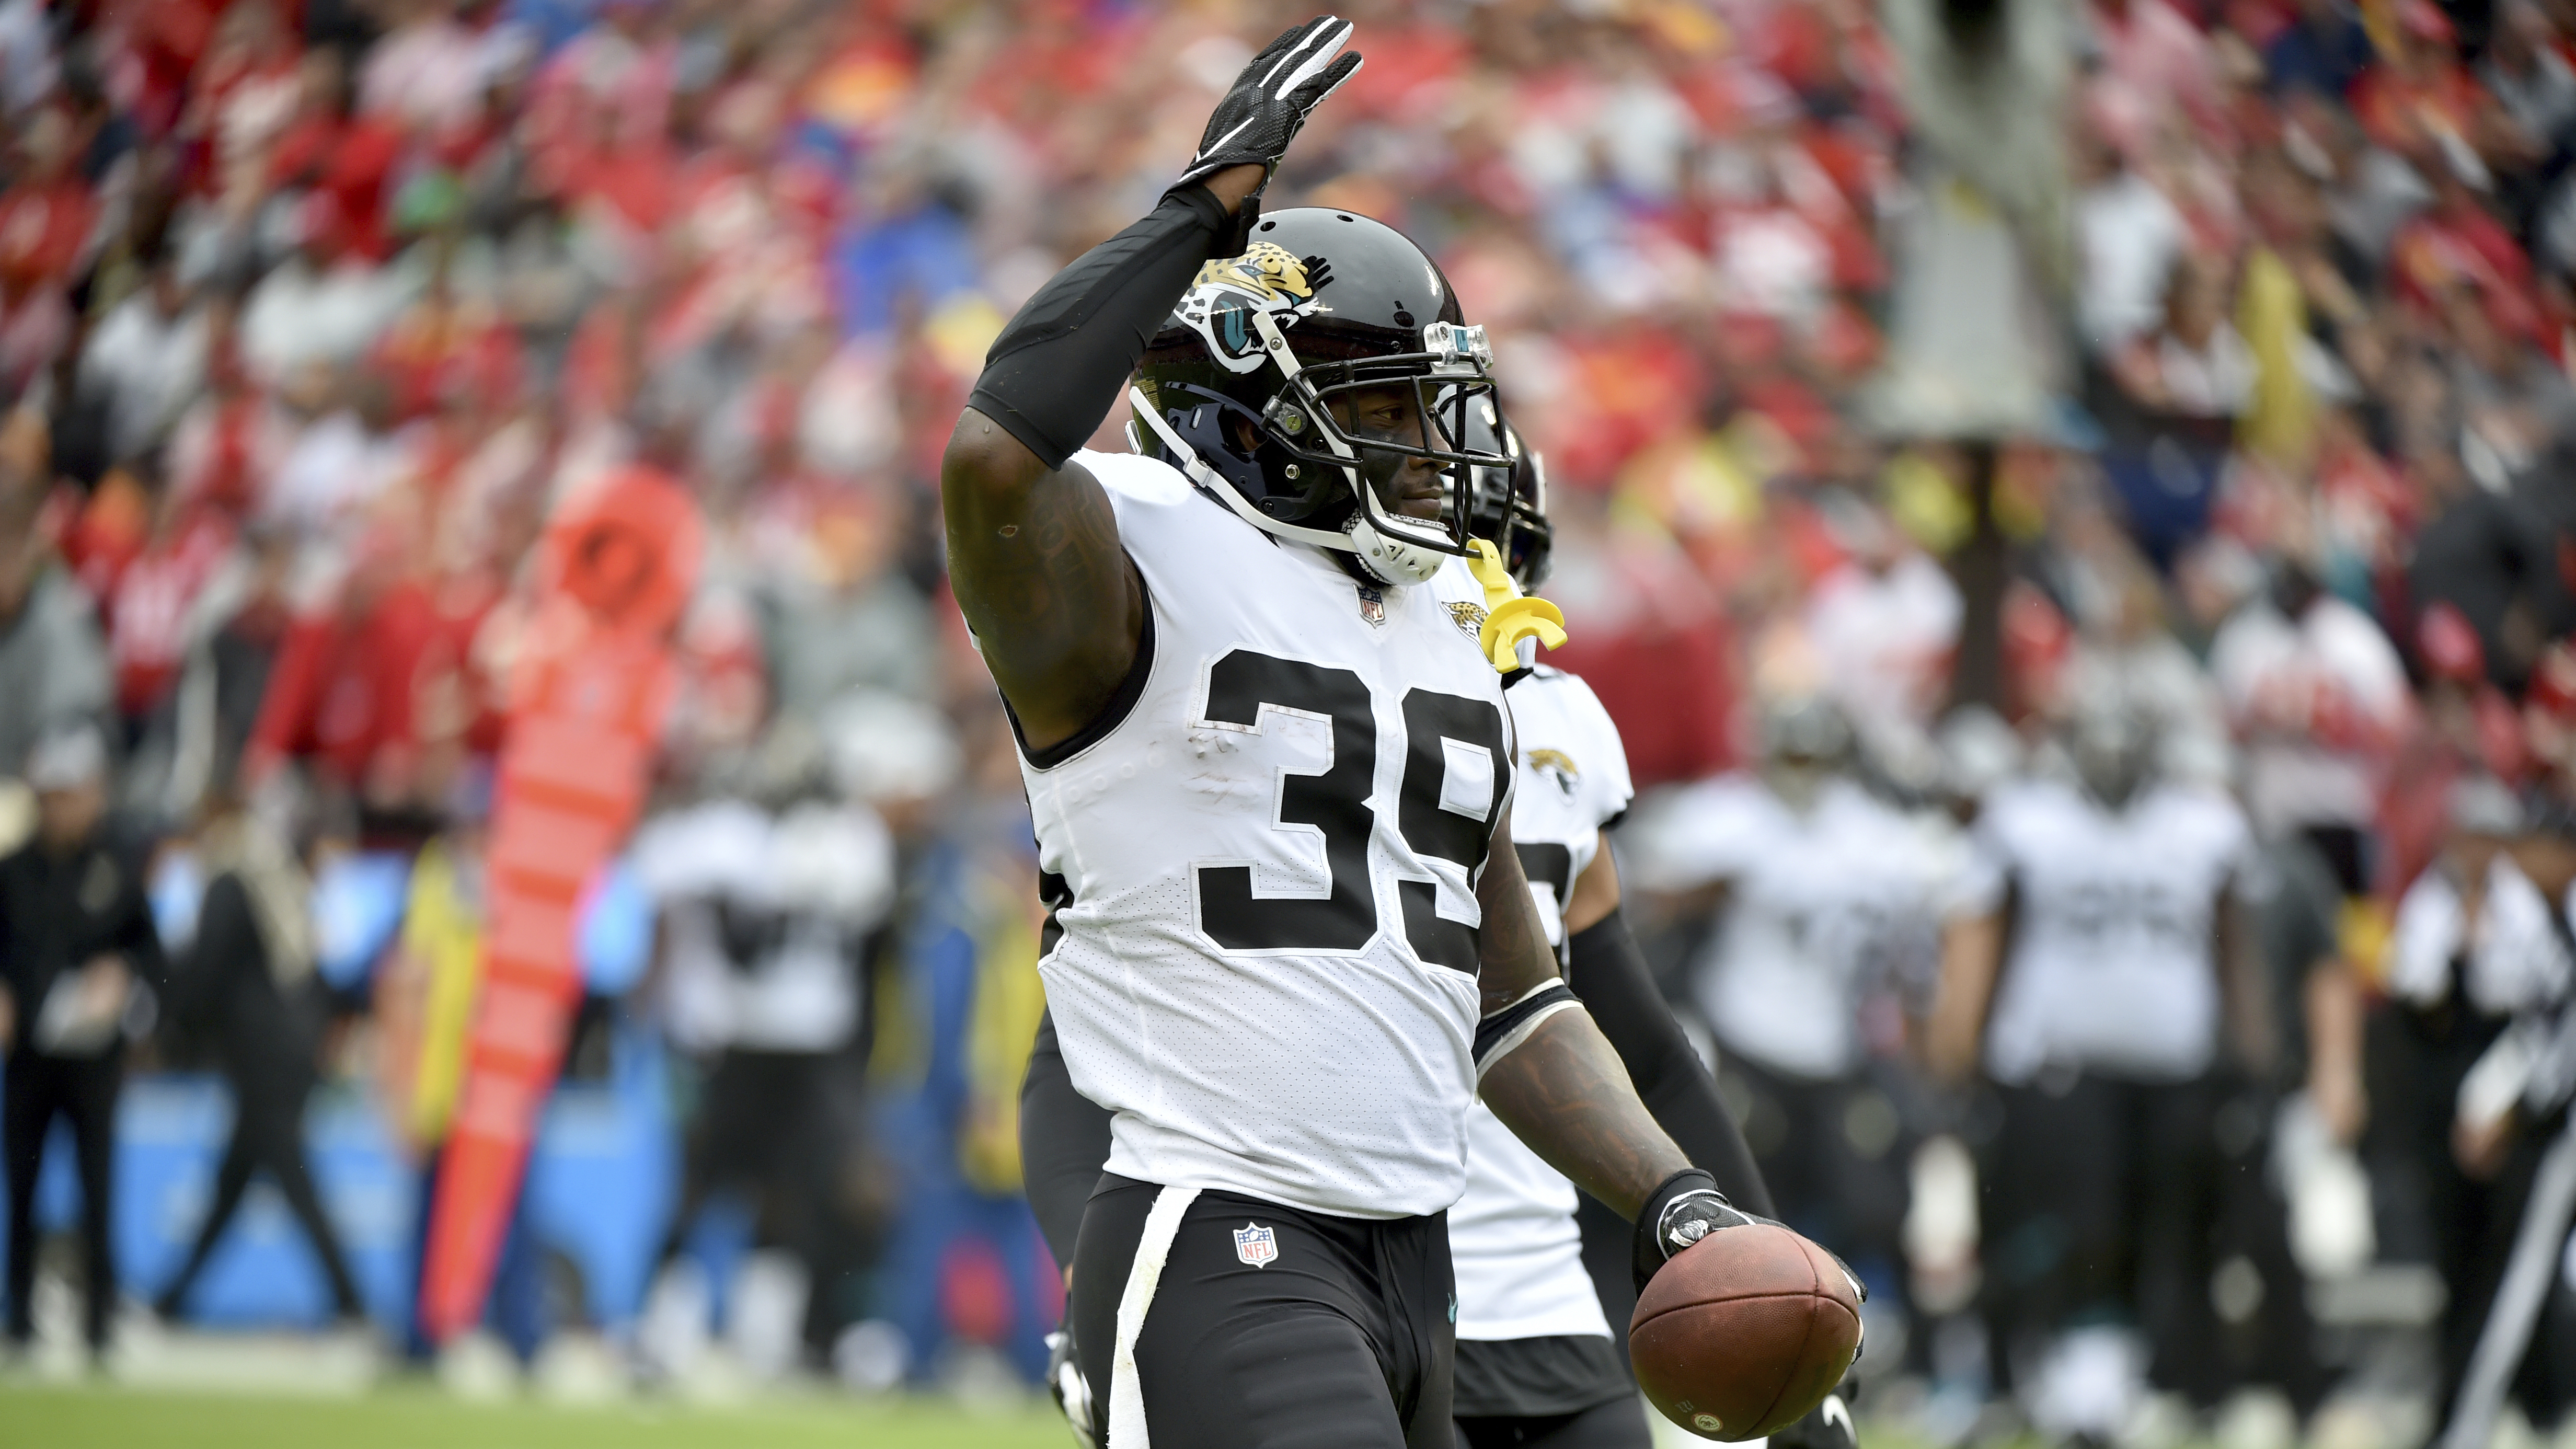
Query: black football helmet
x=1238 y=389
x=1508 y=506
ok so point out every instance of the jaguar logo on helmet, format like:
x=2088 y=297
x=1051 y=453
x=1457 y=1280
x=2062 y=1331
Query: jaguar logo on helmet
x=1220 y=302
x=1299 y=413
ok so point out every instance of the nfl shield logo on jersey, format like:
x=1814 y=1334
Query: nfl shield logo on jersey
x=1256 y=1244
x=1372 y=604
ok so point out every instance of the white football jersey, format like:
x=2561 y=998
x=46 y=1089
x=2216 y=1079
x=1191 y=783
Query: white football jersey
x=1823 y=905
x=1512 y=1237
x=761 y=916
x=2113 y=965
x=2512 y=962
x=1262 y=949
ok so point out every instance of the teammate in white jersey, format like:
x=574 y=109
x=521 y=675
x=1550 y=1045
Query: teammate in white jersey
x=1538 y=1359
x=2125 y=1010
x=1825 y=902
x=1290 y=940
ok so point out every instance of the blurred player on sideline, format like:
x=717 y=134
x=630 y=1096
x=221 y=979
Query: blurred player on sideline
x=2107 y=1030
x=1827 y=903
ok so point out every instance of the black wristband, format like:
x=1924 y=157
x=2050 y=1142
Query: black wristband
x=1058 y=367
x=1646 y=1249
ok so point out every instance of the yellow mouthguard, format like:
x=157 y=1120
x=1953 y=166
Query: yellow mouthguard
x=1510 y=616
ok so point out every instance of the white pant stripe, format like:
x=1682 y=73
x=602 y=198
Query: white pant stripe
x=1126 y=1397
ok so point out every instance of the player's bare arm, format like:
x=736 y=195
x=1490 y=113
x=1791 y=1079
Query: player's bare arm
x=1596 y=894
x=2253 y=1037
x=1972 y=953
x=2331 y=1001
x=1563 y=1090
x=1555 y=1081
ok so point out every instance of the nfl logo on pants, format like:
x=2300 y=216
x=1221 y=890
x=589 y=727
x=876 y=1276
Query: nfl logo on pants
x=1255 y=1244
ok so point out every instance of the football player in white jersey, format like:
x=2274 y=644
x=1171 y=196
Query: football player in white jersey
x=1537 y=1362
x=1290 y=940
x=2105 y=999
x=2479 y=945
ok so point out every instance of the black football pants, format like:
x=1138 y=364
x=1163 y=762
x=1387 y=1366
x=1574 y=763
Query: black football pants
x=82 y=1091
x=268 y=1132
x=1321 y=1333
x=1618 y=1424
x=2117 y=1200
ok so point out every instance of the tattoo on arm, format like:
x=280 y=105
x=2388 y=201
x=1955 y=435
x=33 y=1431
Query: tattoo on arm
x=1566 y=1094
x=1034 y=556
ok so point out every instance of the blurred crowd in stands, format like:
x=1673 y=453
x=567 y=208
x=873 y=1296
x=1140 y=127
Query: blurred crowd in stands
x=311 y=313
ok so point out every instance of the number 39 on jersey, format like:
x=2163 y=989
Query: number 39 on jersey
x=1456 y=764
x=1262 y=866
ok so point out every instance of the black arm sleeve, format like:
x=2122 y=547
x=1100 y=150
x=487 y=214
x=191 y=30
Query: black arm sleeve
x=1054 y=373
x=1606 y=969
x=1064 y=1144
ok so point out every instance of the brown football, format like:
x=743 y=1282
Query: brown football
x=1744 y=1331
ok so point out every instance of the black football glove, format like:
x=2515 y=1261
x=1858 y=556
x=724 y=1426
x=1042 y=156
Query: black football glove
x=1827 y=1426
x=1257 y=119
x=1687 y=1208
x=1066 y=1385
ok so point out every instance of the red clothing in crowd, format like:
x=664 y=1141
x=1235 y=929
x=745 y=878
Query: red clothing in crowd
x=148 y=632
x=364 y=687
x=109 y=532
x=2403 y=112
x=450 y=351
x=43 y=228
x=1657 y=651
x=350 y=161
x=2461 y=244
x=165 y=39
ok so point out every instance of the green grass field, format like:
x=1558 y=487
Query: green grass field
x=422 y=1418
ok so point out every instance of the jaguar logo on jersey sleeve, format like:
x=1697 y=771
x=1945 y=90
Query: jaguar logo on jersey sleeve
x=1221 y=300
x=1469 y=617
x=1558 y=764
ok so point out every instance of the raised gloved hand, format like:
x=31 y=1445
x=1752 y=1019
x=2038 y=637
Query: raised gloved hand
x=1257 y=119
